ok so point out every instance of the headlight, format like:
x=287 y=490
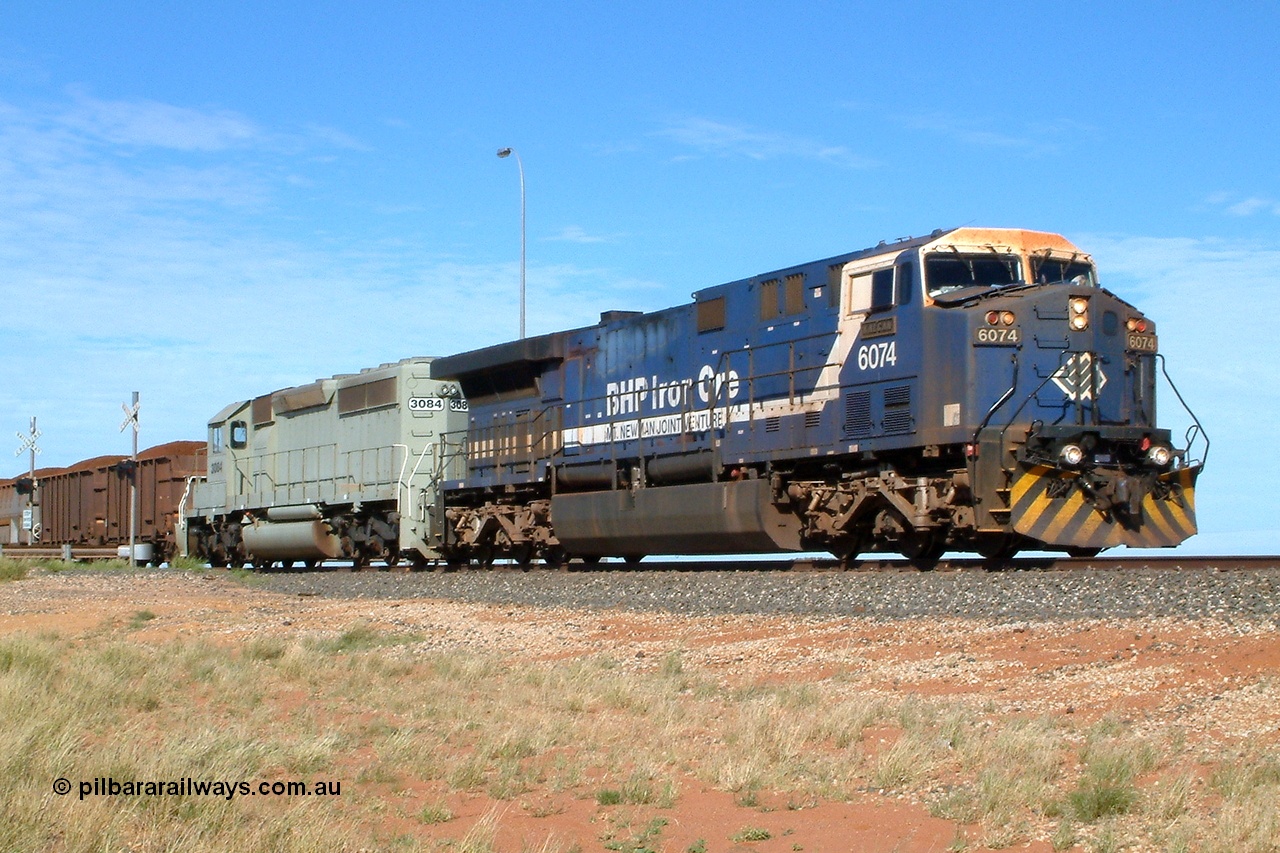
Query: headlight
x=1159 y=455
x=1072 y=455
x=1079 y=312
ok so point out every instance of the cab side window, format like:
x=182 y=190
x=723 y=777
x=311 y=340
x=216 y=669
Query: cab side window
x=882 y=289
x=906 y=282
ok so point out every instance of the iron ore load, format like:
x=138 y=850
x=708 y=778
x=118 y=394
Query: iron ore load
x=973 y=390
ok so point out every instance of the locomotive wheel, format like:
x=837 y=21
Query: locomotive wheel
x=923 y=549
x=998 y=547
x=522 y=555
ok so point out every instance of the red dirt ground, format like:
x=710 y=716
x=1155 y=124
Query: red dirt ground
x=1212 y=679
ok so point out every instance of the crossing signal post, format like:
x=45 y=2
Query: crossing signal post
x=27 y=486
x=131 y=419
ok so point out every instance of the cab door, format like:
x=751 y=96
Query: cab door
x=880 y=368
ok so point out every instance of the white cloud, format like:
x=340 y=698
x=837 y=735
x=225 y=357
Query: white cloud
x=132 y=257
x=1234 y=205
x=1032 y=140
x=578 y=234
x=156 y=125
x=735 y=140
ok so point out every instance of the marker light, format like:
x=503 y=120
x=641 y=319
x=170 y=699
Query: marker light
x=1072 y=454
x=993 y=318
x=1159 y=455
x=1136 y=324
x=1006 y=317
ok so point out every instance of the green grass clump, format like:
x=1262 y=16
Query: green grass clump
x=751 y=833
x=12 y=570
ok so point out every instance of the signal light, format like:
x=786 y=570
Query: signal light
x=24 y=486
x=126 y=469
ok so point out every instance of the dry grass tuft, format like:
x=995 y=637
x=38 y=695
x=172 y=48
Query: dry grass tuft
x=380 y=712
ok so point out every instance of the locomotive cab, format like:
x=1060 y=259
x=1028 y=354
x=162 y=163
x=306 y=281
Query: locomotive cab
x=1065 y=452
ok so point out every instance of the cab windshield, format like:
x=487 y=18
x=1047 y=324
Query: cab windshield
x=948 y=271
x=1049 y=270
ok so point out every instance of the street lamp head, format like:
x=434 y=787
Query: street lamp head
x=504 y=152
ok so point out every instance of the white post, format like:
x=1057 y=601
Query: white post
x=131 y=419
x=31 y=496
x=29 y=443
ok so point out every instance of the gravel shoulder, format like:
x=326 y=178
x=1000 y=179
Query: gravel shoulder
x=1197 y=648
x=1198 y=651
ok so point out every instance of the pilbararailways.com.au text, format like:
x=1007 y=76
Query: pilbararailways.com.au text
x=106 y=786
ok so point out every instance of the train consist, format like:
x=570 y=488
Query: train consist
x=973 y=390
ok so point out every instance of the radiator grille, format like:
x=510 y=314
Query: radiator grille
x=897 y=410
x=857 y=413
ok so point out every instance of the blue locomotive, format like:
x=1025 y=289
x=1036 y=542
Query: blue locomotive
x=973 y=390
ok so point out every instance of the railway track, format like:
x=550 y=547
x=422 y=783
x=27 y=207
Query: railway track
x=1162 y=562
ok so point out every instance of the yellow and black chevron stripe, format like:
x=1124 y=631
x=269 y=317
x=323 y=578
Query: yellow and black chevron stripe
x=1072 y=521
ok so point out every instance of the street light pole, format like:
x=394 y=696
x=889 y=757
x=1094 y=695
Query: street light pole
x=506 y=152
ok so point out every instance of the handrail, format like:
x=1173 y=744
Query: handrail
x=1004 y=398
x=1195 y=430
x=531 y=436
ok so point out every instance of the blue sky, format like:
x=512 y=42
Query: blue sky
x=204 y=202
